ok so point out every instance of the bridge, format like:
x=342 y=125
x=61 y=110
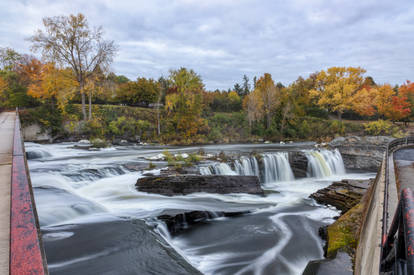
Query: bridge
x=386 y=242
x=21 y=250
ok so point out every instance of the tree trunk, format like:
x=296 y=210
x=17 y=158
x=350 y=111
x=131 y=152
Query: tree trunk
x=268 y=120
x=158 y=120
x=339 y=113
x=90 y=104
x=83 y=106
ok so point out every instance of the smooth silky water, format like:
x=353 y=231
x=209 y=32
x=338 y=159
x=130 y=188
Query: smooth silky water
x=82 y=193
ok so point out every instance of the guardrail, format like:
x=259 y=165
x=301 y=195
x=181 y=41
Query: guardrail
x=26 y=249
x=391 y=147
x=397 y=252
x=398 y=249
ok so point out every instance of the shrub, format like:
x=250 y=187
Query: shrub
x=379 y=127
x=94 y=128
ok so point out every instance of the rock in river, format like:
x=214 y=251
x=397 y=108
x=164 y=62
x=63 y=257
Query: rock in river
x=343 y=194
x=187 y=184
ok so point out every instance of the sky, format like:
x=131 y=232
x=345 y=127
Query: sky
x=224 y=39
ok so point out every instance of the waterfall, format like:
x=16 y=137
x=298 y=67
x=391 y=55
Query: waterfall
x=277 y=167
x=205 y=170
x=223 y=169
x=324 y=163
x=247 y=166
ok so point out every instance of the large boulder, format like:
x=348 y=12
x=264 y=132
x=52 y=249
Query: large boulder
x=187 y=184
x=299 y=164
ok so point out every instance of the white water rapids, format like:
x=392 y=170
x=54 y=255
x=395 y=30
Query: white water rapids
x=278 y=236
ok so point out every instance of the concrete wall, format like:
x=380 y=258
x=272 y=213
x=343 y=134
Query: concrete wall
x=34 y=133
x=369 y=246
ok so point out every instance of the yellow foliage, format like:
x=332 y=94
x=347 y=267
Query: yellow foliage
x=52 y=83
x=3 y=85
x=337 y=87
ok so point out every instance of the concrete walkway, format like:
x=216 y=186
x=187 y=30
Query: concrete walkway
x=7 y=120
x=404 y=161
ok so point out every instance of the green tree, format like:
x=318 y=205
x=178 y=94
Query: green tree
x=184 y=101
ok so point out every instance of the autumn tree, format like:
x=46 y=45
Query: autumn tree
x=50 y=84
x=364 y=101
x=269 y=95
x=184 y=101
x=69 y=41
x=253 y=105
x=383 y=99
x=336 y=87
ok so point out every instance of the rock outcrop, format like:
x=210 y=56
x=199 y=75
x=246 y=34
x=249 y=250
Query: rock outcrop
x=187 y=184
x=363 y=153
x=343 y=194
x=299 y=164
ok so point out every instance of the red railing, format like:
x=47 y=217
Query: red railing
x=26 y=249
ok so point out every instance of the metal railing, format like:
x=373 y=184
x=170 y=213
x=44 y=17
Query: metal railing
x=26 y=250
x=397 y=245
x=398 y=249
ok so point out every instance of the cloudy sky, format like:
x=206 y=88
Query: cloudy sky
x=224 y=39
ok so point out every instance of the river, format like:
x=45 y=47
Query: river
x=94 y=221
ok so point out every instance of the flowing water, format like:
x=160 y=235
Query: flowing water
x=82 y=197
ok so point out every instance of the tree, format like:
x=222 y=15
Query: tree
x=336 y=87
x=246 y=85
x=50 y=84
x=253 y=104
x=9 y=59
x=363 y=101
x=68 y=41
x=383 y=99
x=238 y=89
x=269 y=95
x=163 y=85
x=184 y=101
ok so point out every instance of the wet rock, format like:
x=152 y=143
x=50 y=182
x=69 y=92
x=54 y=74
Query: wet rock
x=83 y=144
x=363 y=153
x=187 y=184
x=299 y=164
x=179 y=222
x=343 y=194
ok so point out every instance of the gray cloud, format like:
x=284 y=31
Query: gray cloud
x=224 y=39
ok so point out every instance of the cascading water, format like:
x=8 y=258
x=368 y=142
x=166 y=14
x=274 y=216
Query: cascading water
x=247 y=166
x=88 y=195
x=277 y=167
x=324 y=163
x=223 y=169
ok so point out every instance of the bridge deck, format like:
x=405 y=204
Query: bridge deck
x=7 y=121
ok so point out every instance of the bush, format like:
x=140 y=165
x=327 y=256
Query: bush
x=94 y=128
x=382 y=127
x=128 y=127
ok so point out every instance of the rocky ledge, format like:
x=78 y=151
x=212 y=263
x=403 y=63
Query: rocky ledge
x=343 y=194
x=362 y=152
x=187 y=184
